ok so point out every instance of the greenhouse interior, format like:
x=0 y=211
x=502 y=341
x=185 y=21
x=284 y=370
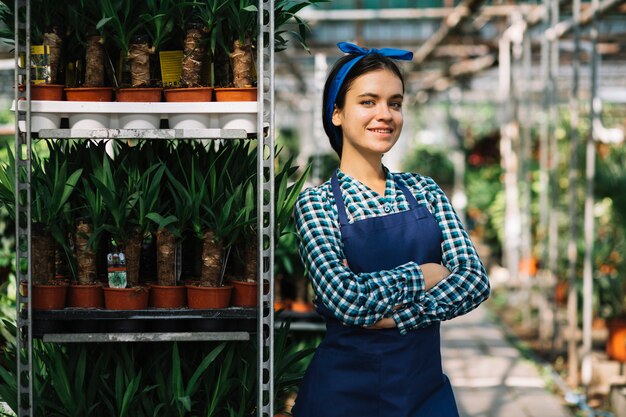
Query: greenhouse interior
x=515 y=109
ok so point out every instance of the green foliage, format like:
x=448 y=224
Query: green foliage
x=430 y=161
x=284 y=12
x=178 y=379
x=53 y=181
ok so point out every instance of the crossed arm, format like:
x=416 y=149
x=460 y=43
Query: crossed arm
x=409 y=296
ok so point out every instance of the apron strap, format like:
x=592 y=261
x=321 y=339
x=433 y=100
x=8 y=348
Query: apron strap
x=341 y=208
x=410 y=198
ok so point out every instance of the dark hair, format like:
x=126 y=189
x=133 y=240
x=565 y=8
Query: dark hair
x=369 y=63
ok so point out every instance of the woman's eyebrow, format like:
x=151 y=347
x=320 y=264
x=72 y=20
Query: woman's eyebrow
x=378 y=96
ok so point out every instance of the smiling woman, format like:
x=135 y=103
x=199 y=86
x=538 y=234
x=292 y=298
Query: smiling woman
x=387 y=257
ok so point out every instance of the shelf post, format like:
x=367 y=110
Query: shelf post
x=23 y=269
x=265 y=208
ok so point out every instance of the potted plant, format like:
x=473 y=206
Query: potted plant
x=53 y=183
x=201 y=22
x=86 y=291
x=179 y=211
x=86 y=44
x=124 y=23
x=47 y=34
x=129 y=195
x=241 y=20
x=285 y=196
x=238 y=84
x=215 y=213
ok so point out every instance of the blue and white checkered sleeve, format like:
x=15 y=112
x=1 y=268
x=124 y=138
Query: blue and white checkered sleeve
x=355 y=299
x=464 y=289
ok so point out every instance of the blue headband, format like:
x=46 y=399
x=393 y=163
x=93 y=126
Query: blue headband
x=337 y=82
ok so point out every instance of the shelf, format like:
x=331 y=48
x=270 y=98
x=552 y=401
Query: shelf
x=146 y=337
x=234 y=120
x=179 y=324
x=210 y=107
x=143 y=134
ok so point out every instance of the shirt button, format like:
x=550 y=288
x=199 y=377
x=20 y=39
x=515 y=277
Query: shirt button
x=387 y=208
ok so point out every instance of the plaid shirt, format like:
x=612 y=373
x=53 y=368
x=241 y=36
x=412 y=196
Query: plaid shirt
x=363 y=299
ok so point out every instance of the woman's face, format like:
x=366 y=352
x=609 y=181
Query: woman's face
x=371 y=119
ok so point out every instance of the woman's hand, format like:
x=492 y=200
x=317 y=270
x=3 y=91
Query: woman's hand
x=433 y=274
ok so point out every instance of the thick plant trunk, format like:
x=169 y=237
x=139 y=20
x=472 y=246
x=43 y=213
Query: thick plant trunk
x=251 y=261
x=54 y=43
x=211 y=260
x=94 y=62
x=85 y=256
x=132 y=252
x=42 y=246
x=166 y=257
x=242 y=63
x=193 y=54
x=139 y=58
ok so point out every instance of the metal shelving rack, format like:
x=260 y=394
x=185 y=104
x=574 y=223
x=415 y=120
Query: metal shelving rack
x=264 y=314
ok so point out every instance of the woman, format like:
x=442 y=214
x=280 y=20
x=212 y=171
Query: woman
x=387 y=257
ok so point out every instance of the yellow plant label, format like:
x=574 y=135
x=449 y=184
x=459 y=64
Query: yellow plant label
x=171 y=67
x=40 y=64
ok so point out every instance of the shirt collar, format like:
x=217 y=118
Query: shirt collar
x=390 y=185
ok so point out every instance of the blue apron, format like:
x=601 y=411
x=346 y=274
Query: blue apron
x=359 y=372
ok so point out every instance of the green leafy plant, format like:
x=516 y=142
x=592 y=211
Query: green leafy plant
x=53 y=181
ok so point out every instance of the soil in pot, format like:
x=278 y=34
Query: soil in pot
x=135 y=298
x=190 y=94
x=168 y=296
x=85 y=296
x=236 y=94
x=200 y=297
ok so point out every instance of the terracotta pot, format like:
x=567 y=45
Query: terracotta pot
x=166 y=296
x=135 y=298
x=49 y=297
x=200 y=297
x=236 y=94
x=45 y=92
x=139 y=94
x=85 y=296
x=616 y=342
x=89 y=94
x=245 y=293
x=191 y=94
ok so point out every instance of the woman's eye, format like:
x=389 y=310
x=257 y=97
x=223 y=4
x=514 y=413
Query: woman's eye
x=367 y=102
x=396 y=105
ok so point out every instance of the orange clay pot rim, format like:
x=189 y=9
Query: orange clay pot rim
x=166 y=286
x=223 y=287
x=139 y=88
x=88 y=88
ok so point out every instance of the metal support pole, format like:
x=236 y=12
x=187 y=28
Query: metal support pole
x=526 y=158
x=572 y=250
x=586 y=371
x=544 y=130
x=23 y=264
x=509 y=138
x=265 y=209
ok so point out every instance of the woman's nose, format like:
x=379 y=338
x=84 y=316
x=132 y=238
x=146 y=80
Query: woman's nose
x=384 y=113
